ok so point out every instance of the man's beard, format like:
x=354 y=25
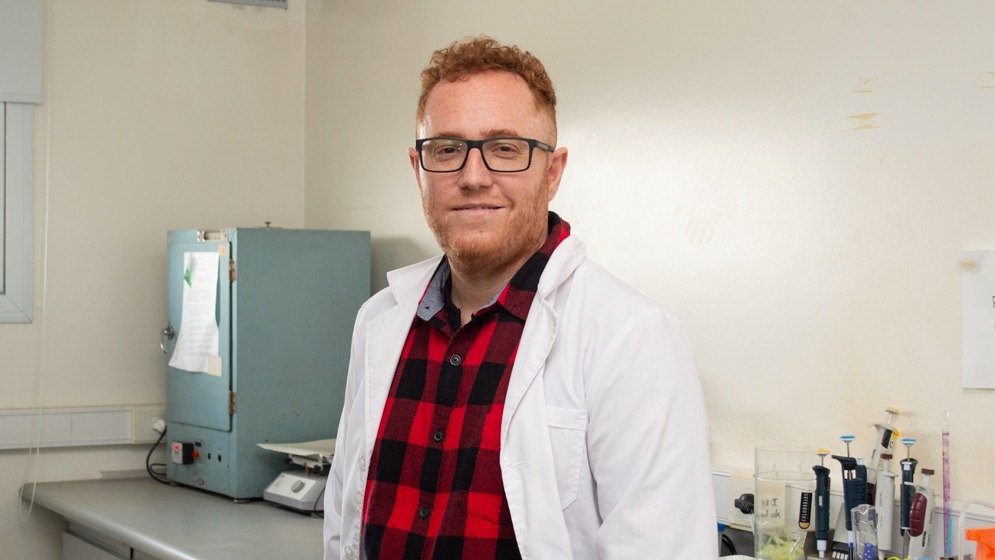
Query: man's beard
x=487 y=257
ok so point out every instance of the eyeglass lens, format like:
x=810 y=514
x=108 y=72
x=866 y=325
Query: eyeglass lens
x=500 y=154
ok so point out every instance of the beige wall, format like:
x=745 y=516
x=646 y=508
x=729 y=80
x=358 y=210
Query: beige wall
x=716 y=164
x=794 y=180
x=158 y=115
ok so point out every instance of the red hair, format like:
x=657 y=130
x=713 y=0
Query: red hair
x=482 y=54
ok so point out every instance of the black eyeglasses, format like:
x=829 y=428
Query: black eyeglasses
x=505 y=154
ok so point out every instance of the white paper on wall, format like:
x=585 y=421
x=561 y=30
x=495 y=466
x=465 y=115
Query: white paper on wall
x=979 y=319
x=197 y=344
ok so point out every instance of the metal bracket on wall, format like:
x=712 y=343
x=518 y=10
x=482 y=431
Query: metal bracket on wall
x=212 y=235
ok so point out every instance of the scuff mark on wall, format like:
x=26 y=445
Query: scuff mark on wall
x=865 y=120
x=986 y=80
x=861 y=121
x=871 y=85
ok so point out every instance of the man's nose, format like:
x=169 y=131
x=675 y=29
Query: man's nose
x=475 y=173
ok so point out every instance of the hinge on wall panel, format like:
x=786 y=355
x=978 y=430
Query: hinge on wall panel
x=232 y=272
x=231 y=402
x=212 y=235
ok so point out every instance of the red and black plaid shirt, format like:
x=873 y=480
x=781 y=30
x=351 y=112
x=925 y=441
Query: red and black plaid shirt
x=435 y=488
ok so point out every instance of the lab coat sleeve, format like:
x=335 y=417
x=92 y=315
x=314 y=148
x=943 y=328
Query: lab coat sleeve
x=332 y=532
x=648 y=444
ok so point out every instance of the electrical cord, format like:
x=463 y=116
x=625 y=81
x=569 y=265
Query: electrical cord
x=727 y=542
x=315 y=512
x=158 y=476
x=34 y=448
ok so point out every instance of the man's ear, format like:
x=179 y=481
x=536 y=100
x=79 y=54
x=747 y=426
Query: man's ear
x=558 y=161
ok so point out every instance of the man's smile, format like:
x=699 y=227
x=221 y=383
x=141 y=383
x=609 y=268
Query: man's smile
x=477 y=209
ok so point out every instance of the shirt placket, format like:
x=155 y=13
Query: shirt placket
x=438 y=475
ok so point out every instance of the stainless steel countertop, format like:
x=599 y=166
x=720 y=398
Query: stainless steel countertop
x=181 y=523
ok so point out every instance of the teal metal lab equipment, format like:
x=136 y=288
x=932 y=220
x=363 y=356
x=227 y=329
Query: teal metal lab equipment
x=284 y=306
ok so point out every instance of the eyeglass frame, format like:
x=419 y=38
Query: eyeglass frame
x=479 y=144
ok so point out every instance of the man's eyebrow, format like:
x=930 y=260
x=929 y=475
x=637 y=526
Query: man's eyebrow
x=493 y=133
x=501 y=132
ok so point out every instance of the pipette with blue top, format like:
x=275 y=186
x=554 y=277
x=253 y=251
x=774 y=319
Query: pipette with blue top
x=854 y=487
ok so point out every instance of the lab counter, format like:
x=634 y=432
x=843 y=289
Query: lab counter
x=141 y=518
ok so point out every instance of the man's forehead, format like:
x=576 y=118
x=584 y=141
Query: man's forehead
x=488 y=88
x=482 y=105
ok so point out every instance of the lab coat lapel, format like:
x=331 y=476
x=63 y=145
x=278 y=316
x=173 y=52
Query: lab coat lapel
x=385 y=336
x=527 y=464
x=541 y=325
x=385 y=339
x=536 y=343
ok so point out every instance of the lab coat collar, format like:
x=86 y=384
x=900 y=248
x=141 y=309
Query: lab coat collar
x=408 y=284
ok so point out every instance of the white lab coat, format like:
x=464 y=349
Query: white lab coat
x=604 y=440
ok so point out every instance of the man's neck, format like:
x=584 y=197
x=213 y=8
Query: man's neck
x=473 y=291
x=473 y=288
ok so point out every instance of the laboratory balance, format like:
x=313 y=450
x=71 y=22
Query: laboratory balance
x=301 y=489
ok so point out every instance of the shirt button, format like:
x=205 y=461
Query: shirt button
x=455 y=360
x=437 y=436
x=423 y=512
x=350 y=552
x=362 y=464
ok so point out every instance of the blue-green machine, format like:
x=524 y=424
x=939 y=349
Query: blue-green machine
x=284 y=305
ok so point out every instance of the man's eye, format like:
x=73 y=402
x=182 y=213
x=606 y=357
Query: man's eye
x=505 y=149
x=447 y=150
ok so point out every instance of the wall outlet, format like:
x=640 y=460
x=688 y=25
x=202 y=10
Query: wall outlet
x=143 y=420
x=739 y=484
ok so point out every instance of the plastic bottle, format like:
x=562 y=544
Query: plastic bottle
x=985 y=537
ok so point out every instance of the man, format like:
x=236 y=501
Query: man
x=511 y=399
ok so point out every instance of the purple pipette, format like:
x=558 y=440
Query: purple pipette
x=946 y=482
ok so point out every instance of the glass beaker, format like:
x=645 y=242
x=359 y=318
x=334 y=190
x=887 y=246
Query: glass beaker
x=782 y=509
x=864 y=520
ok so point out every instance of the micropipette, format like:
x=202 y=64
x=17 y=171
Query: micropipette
x=883 y=443
x=946 y=482
x=884 y=501
x=854 y=490
x=822 y=484
x=921 y=516
x=841 y=544
x=886 y=436
x=908 y=493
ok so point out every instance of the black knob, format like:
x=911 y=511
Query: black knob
x=744 y=503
